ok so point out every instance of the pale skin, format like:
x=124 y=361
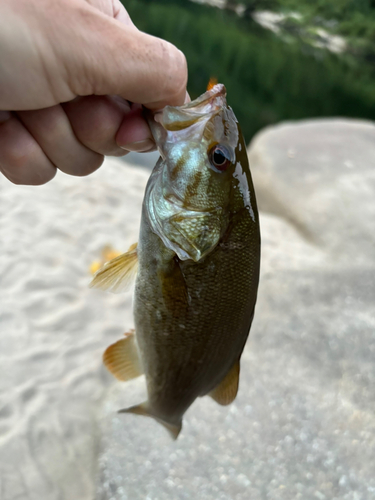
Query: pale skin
x=70 y=71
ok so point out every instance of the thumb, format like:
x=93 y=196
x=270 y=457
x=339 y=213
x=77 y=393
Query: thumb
x=116 y=58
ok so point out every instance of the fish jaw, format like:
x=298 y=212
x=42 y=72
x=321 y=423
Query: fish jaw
x=187 y=198
x=182 y=118
x=188 y=233
x=177 y=126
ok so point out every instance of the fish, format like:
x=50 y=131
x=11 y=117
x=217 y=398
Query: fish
x=196 y=264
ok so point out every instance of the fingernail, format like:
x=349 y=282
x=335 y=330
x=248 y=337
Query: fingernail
x=5 y=116
x=139 y=146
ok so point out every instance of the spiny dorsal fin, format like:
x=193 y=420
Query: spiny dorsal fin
x=226 y=391
x=144 y=409
x=117 y=274
x=122 y=359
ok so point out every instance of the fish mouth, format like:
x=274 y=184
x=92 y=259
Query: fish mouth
x=174 y=118
x=210 y=102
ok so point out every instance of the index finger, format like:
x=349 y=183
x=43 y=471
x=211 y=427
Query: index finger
x=139 y=67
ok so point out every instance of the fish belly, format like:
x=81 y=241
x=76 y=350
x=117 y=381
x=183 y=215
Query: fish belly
x=192 y=319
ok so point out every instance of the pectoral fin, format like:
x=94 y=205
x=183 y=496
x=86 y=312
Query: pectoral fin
x=226 y=391
x=144 y=409
x=122 y=359
x=117 y=274
x=174 y=288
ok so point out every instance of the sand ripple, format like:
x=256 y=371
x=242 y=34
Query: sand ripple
x=54 y=329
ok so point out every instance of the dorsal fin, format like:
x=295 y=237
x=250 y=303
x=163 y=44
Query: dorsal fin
x=117 y=274
x=122 y=358
x=226 y=391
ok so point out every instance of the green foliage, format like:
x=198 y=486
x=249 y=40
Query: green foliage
x=354 y=18
x=253 y=5
x=336 y=9
x=267 y=80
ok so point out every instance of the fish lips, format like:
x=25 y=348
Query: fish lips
x=164 y=124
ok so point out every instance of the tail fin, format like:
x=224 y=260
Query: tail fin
x=144 y=409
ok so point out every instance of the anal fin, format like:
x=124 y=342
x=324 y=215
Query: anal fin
x=226 y=392
x=122 y=359
x=117 y=275
x=143 y=409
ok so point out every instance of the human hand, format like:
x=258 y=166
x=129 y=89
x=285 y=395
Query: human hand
x=69 y=73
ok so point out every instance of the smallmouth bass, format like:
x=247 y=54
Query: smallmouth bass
x=196 y=263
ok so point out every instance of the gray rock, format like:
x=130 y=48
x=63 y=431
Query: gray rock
x=303 y=424
x=320 y=176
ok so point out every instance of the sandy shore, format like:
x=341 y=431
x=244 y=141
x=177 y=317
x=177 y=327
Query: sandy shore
x=54 y=328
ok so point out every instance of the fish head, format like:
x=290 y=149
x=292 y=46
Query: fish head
x=192 y=185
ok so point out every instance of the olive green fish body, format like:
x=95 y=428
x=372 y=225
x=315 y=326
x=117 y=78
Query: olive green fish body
x=193 y=317
x=196 y=263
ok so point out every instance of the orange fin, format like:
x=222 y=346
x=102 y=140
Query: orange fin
x=122 y=358
x=226 y=392
x=143 y=409
x=117 y=275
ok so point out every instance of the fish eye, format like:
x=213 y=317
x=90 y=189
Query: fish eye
x=219 y=158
